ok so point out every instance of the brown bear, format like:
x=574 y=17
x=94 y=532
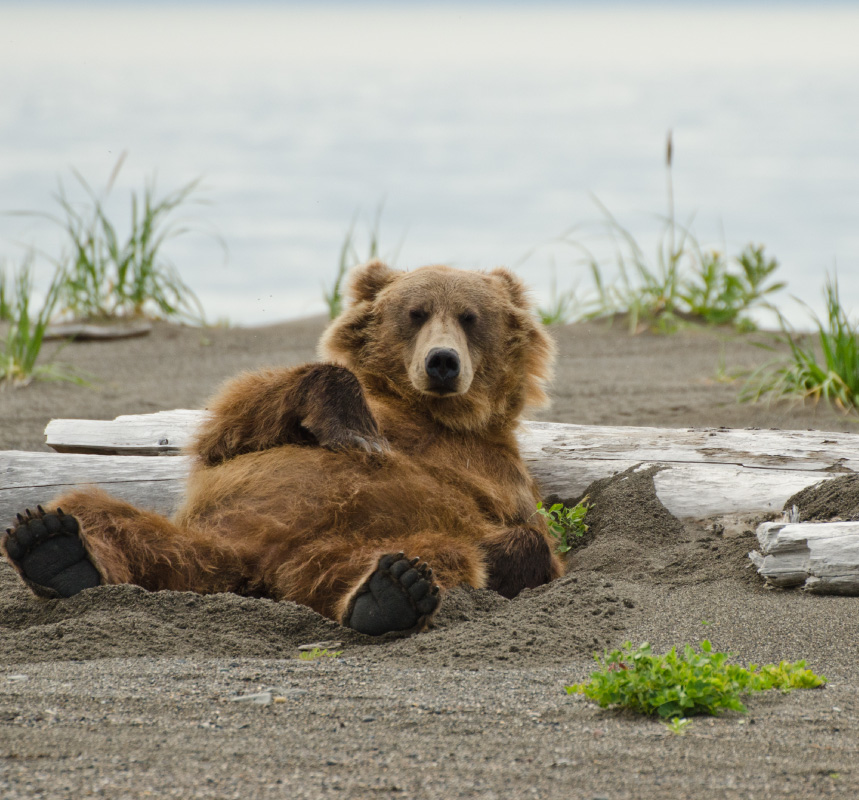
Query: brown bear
x=358 y=486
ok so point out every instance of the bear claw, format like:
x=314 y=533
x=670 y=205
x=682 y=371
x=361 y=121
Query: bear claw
x=47 y=551
x=398 y=596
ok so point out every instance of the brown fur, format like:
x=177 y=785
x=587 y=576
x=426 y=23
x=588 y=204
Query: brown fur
x=304 y=477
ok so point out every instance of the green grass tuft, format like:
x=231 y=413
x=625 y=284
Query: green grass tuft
x=681 y=282
x=349 y=258
x=829 y=371
x=563 y=307
x=6 y=313
x=20 y=348
x=680 y=685
x=108 y=276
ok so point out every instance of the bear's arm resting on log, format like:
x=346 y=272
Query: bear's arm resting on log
x=314 y=404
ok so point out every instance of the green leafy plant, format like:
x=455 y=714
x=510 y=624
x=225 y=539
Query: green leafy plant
x=312 y=655
x=681 y=283
x=680 y=685
x=20 y=348
x=565 y=523
x=828 y=372
x=717 y=295
x=109 y=276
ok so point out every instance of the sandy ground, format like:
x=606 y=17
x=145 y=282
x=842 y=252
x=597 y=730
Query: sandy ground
x=122 y=693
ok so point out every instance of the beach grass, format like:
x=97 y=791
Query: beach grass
x=6 y=314
x=820 y=366
x=25 y=331
x=349 y=258
x=682 y=282
x=107 y=275
x=563 y=306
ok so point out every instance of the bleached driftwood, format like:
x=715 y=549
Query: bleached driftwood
x=703 y=472
x=821 y=557
x=27 y=479
x=164 y=433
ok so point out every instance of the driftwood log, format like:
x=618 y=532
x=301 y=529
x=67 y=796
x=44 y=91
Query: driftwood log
x=702 y=472
x=821 y=557
x=88 y=332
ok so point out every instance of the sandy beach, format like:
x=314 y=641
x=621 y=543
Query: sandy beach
x=120 y=693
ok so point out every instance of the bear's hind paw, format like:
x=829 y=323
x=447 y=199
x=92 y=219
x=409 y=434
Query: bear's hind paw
x=399 y=596
x=47 y=551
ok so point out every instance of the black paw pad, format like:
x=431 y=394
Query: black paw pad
x=48 y=551
x=399 y=596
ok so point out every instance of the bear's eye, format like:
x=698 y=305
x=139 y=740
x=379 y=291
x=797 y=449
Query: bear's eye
x=418 y=315
x=468 y=318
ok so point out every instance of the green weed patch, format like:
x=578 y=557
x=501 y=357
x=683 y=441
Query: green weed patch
x=680 y=685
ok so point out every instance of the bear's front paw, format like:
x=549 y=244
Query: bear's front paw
x=47 y=551
x=399 y=596
x=352 y=440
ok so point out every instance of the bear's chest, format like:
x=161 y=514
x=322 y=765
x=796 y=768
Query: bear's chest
x=496 y=480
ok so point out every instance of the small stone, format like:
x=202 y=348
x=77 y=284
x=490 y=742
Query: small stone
x=259 y=699
x=320 y=646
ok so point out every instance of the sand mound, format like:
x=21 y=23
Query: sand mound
x=836 y=499
x=632 y=536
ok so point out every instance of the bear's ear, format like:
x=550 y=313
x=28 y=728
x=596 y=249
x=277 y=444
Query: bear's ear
x=368 y=280
x=515 y=288
x=346 y=337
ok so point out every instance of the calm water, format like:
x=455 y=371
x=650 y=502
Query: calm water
x=484 y=131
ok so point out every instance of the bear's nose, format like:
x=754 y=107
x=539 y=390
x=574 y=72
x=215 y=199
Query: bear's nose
x=442 y=366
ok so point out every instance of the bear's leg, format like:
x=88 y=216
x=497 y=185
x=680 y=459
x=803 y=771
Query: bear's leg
x=316 y=404
x=520 y=558
x=372 y=586
x=87 y=538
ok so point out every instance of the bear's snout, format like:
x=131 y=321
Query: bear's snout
x=442 y=366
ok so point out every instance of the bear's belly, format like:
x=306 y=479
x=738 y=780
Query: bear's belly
x=309 y=492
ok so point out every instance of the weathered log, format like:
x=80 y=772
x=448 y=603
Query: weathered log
x=27 y=479
x=551 y=443
x=821 y=557
x=704 y=472
x=164 y=433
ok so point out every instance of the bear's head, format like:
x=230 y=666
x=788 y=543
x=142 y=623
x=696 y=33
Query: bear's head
x=463 y=346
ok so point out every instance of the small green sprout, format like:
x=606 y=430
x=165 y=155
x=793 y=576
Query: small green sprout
x=312 y=655
x=680 y=685
x=565 y=523
x=678 y=725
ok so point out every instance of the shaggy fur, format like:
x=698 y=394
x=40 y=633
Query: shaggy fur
x=308 y=483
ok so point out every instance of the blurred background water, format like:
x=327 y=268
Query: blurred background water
x=485 y=129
